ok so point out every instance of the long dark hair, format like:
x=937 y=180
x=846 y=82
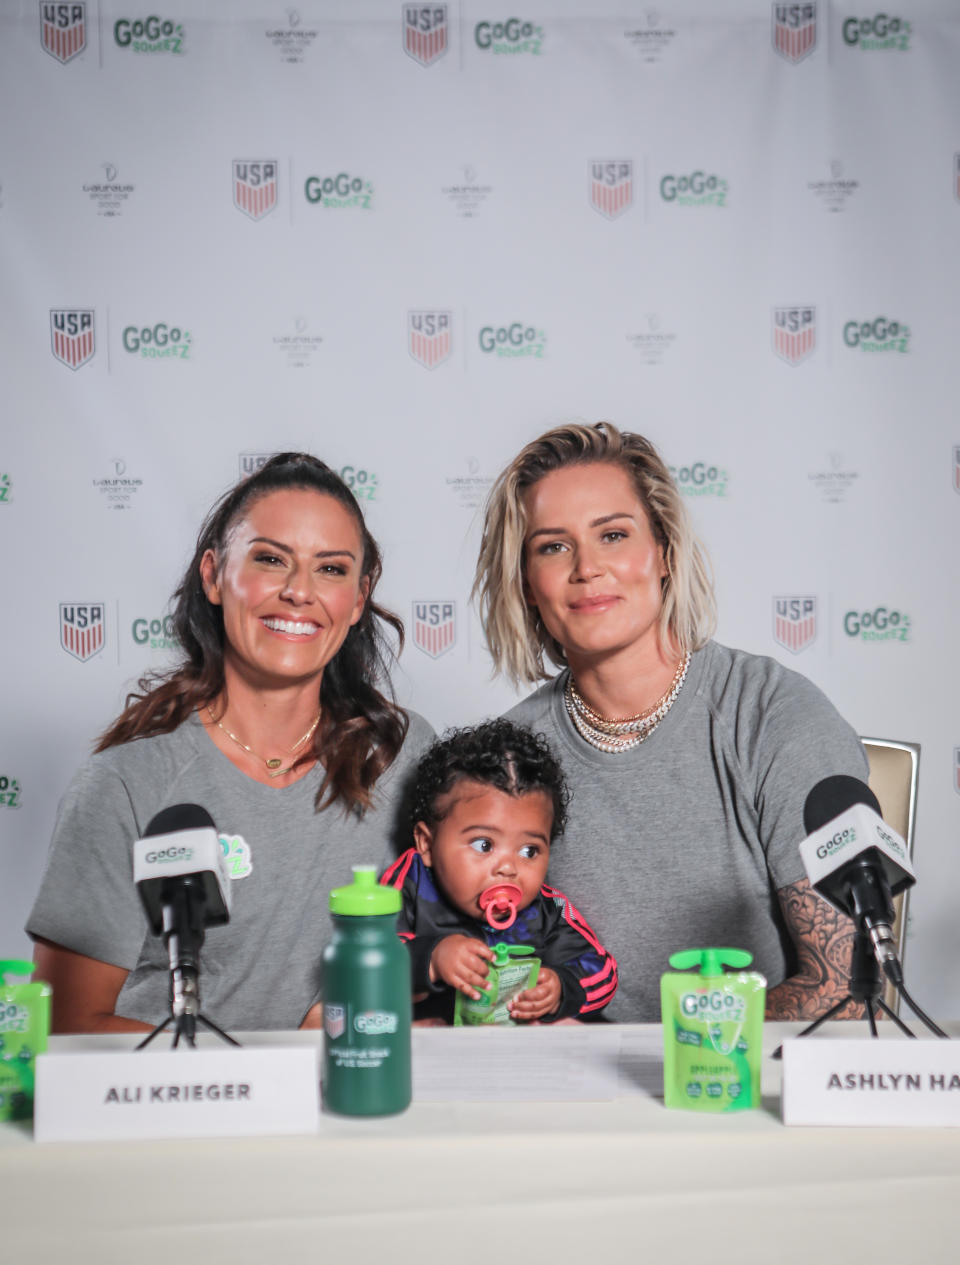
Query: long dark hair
x=361 y=729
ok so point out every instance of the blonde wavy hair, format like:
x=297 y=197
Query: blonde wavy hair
x=516 y=636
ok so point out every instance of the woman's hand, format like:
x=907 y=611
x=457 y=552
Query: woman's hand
x=534 y=1003
x=85 y=991
x=463 y=963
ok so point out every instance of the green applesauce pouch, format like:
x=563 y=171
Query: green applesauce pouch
x=712 y=1031
x=24 y=1026
x=512 y=970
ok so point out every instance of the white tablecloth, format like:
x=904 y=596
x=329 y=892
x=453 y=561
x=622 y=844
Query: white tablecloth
x=477 y=1181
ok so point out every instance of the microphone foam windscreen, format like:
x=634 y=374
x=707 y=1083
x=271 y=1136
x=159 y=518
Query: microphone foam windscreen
x=833 y=796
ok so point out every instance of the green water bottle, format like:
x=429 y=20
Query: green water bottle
x=366 y=1002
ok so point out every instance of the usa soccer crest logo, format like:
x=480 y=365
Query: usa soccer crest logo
x=334 y=1021
x=794 y=333
x=72 y=338
x=434 y=627
x=794 y=622
x=63 y=30
x=794 y=31
x=255 y=186
x=425 y=32
x=611 y=186
x=82 y=629
x=429 y=337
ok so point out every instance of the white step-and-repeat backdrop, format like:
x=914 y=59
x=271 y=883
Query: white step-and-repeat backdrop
x=409 y=237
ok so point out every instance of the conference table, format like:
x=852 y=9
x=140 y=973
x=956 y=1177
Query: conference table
x=497 y=1158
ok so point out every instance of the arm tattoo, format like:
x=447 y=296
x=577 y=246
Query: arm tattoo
x=823 y=939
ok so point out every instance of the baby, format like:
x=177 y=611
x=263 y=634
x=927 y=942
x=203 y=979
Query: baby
x=488 y=803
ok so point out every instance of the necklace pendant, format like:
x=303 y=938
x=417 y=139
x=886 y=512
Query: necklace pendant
x=274 y=764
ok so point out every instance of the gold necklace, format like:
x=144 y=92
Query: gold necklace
x=613 y=736
x=273 y=766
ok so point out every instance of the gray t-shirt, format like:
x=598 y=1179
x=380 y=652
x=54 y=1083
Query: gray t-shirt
x=684 y=841
x=262 y=969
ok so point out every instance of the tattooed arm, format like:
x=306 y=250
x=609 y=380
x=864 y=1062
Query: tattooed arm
x=823 y=939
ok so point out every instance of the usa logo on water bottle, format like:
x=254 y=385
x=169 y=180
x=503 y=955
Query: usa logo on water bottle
x=334 y=1021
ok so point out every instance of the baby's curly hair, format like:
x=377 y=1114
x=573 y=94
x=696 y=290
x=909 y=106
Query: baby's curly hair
x=497 y=753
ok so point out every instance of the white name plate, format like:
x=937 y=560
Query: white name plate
x=183 y=1093
x=882 y=1082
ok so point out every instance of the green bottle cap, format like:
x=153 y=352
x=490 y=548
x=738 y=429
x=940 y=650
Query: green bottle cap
x=502 y=953
x=15 y=966
x=365 y=896
x=710 y=961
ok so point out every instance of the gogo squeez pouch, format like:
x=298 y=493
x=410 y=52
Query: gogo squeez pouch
x=712 y=1031
x=24 y=1026
x=505 y=980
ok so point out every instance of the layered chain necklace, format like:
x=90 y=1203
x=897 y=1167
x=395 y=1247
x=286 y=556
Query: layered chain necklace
x=613 y=736
x=273 y=766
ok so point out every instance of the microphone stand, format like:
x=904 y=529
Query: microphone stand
x=866 y=987
x=183 y=933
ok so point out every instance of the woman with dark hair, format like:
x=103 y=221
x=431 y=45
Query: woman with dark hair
x=688 y=762
x=276 y=722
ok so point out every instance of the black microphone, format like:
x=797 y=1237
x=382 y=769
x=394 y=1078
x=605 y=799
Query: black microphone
x=855 y=861
x=180 y=872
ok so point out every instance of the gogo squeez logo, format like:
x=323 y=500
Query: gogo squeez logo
x=877 y=34
x=877 y=625
x=511 y=36
x=149 y=35
x=362 y=483
x=518 y=339
x=157 y=342
x=700 y=479
x=339 y=191
x=713 y=1004
x=158 y=633
x=877 y=335
x=9 y=792
x=697 y=189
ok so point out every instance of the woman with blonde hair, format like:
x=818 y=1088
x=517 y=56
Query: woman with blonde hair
x=688 y=762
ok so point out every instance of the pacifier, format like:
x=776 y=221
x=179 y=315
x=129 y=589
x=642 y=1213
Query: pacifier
x=499 y=904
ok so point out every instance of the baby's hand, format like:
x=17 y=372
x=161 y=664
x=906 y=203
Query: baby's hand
x=534 y=1003
x=461 y=962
